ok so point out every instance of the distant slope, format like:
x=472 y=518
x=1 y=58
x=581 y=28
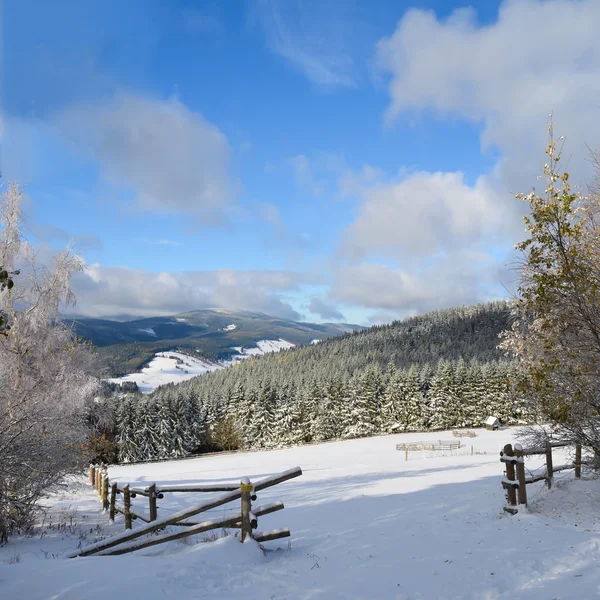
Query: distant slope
x=175 y=367
x=126 y=346
x=468 y=333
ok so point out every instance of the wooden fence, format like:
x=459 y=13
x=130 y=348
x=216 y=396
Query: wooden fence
x=515 y=481
x=246 y=520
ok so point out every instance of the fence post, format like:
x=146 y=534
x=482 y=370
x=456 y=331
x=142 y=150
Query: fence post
x=127 y=506
x=510 y=474
x=113 y=500
x=549 y=466
x=99 y=475
x=521 y=474
x=105 y=492
x=578 y=460
x=91 y=475
x=246 y=492
x=406 y=454
x=152 y=501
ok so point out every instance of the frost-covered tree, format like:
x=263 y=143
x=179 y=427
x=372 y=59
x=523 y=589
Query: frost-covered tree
x=439 y=397
x=127 y=426
x=46 y=373
x=556 y=331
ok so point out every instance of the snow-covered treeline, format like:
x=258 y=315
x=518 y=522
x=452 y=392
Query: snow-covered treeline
x=177 y=420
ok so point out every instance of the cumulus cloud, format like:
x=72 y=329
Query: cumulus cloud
x=464 y=278
x=104 y=291
x=540 y=56
x=325 y=310
x=173 y=159
x=427 y=213
x=428 y=240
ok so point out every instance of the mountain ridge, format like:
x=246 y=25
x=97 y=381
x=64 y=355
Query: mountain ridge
x=125 y=346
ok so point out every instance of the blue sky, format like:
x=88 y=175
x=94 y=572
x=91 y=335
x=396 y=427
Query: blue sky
x=318 y=160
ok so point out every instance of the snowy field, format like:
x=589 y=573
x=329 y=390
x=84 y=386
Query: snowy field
x=365 y=524
x=166 y=367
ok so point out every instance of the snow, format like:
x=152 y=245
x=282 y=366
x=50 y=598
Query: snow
x=273 y=345
x=149 y=331
x=164 y=368
x=265 y=346
x=491 y=420
x=315 y=341
x=262 y=347
x=365 y=524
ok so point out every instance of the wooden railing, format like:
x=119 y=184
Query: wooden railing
x=515 y=481
x=246 y=520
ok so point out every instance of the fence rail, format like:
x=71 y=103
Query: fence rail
x=515 y=481
x=246 y=519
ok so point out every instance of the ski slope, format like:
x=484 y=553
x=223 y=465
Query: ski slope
x=175 y=367
x=168 y=367
x=366 y=524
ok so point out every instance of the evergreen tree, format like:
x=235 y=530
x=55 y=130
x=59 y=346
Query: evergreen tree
x=126 y=428
x=146 y=423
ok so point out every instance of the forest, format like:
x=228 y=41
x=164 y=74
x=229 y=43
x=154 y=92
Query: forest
x=436 y=371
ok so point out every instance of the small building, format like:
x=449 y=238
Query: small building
x=492 y=423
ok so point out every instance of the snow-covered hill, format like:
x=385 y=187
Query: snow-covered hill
x=168 y=367
x=262 y=347
x=366 y=525
x=175 y=367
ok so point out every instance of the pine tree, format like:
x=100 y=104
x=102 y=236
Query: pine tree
x=476 y=408
x=126 y=427
x=165 y=429
x=146 y=423
x=439 y=397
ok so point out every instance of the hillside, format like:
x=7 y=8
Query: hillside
x=470 y=333
x=365 y=524
x=126 y=346
x=436 y=371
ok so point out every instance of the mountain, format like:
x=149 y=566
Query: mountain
x=467 y=333
x=215 y=333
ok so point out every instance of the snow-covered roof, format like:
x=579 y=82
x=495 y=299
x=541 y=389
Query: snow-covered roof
x=491 y=420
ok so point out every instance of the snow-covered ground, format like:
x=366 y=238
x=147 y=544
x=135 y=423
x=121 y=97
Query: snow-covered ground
x=164 y=367
x=266 y=346
x=149 y=331
x=365 y=525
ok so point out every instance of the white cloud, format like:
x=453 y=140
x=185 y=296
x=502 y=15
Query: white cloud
x=313 y=36
x=427 y=213
x=540 y=56
x=103 y=291
x=460 y=278
x=429 y=240
x=326 y=310
x=169 y=156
